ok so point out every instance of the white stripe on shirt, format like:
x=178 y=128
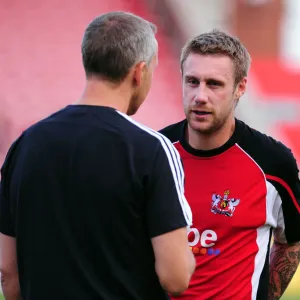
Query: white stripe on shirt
x=175 y=166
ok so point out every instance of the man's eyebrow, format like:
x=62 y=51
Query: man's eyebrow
x=208 y=78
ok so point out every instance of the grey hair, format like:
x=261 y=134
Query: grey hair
x=114 y=42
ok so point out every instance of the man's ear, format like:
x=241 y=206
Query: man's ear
x=139 y=73
x=241 y=88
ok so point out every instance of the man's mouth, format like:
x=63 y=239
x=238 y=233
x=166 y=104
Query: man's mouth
x=201 y=113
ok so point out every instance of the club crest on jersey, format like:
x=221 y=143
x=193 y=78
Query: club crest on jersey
x=224 y=205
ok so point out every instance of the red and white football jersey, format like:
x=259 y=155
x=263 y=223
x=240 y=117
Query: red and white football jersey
x=238 y=194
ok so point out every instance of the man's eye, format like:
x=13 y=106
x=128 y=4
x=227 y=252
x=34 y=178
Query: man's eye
x=193 y=81
x=213 y=83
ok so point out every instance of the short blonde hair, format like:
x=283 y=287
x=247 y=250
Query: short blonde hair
x=218 y=42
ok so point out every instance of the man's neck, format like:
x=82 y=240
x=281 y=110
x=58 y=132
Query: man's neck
x=215 y=140
x=102 y=93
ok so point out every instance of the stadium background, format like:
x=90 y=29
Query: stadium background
x=40 y=63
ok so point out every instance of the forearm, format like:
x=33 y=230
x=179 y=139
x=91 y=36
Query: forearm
x=10 y=287
x=284 y=261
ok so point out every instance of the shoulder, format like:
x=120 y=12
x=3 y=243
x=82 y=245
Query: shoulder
x=272 y=156
x=28 y=137
x=145 y=137
x=174 y=131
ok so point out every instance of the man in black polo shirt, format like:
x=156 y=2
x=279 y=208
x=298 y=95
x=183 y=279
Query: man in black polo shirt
x=91 y=202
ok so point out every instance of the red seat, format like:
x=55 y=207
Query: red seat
x=40 y=60
x=275 y=80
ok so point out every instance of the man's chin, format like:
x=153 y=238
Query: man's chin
x=202 y=127
x=205 y=130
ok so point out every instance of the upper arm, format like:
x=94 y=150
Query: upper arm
x=168 y=215
x=288 y=187
x=8 y=257
x=167 y=208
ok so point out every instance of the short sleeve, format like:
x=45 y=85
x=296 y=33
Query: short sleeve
x=288 y=187
x=6 y=219
x=167 y=208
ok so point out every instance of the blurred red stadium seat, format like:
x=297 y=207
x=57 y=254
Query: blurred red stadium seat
x=278 y=83
x=275 y=80
x=41 y=67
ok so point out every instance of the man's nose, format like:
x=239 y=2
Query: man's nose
x=201 y=95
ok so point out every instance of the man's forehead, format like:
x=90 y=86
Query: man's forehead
x=208 y=66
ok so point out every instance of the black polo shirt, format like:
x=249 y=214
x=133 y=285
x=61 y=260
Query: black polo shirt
x=83 y=192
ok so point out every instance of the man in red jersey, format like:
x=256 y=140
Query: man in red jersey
x=242 y=186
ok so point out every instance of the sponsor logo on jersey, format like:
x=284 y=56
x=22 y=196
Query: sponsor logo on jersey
x=203 y=243
x=224 y=205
